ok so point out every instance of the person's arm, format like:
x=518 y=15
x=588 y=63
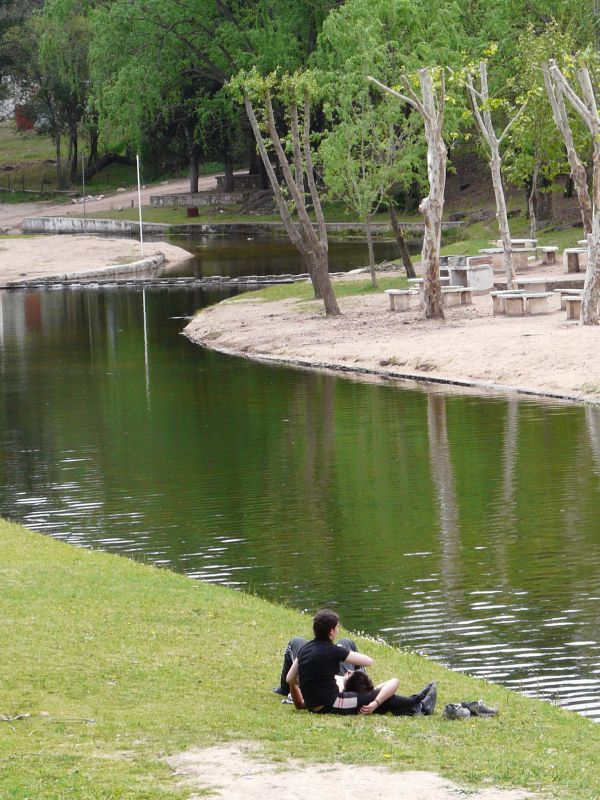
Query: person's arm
x=293 y=673
x=359 y=659
x=292 y=680
x=386 y=690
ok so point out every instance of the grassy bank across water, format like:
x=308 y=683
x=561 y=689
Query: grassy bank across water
x=121 y=665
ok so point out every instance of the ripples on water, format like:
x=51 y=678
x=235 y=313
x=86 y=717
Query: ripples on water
x=461 y=527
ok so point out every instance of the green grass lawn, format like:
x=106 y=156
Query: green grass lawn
x=120 y=665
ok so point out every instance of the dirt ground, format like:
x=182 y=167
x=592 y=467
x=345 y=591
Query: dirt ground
x=235 y=771
x=542 y=353
x=42 y=256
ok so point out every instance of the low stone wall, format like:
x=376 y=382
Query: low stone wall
x=240 y=182
x=79 y=225
x=124 y=227
x=197 y=199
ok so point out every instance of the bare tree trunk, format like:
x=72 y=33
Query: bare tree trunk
x=588 y=111
x=531 y=201
x=228 y=182
x=431 y=206
x=578 y=172
x=483 y=118
x=59 y=175
x=192 y=157
x=371 y=252
x=401 y=242
x=302 y=234
x=94 y=135
x=74 y=156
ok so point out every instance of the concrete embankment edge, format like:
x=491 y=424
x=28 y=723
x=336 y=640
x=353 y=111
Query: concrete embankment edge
x=66 y=225
x=143 y=265
x=482 y=387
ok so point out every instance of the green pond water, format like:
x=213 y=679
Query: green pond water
x=464 y=527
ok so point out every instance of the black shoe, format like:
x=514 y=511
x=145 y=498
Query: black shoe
x=280 y=690
x=429 y=701
x=478 y=708
x=424 y=692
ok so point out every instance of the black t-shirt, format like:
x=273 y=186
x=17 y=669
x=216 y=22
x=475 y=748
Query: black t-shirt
x=318 y=664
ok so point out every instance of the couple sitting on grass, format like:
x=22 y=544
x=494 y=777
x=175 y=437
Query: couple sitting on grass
x=328 y=678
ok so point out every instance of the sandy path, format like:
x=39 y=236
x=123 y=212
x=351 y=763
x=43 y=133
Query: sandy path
x=11 y=216
x=235 y=771
x=543 y=353
x=53 y=255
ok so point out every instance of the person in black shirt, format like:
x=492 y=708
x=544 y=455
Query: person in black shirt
x=314 y=669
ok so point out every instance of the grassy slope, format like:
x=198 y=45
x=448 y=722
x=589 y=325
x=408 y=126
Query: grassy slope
x=162 y=664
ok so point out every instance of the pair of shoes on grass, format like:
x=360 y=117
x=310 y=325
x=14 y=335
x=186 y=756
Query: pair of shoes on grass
x=476 y=708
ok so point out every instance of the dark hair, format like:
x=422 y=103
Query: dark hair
x=323 y=621
x=359 y=682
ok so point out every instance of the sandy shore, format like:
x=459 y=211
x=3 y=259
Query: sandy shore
x=43 y=256
x=543 y=354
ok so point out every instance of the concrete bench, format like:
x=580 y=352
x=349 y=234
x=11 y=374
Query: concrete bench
x=400 y=298
x=532 y=284
x=498 y=299
x=573 y=306
x=549 y=255
x=562 y=293
x=456 y=296
x=575 y=258
x=537 y=302
x=514 y=304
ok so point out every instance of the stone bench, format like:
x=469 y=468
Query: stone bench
x=549 y=255
x=519 y=303
x=573 y=306
x=400 y=298
x=456 y=296
x=498 y=299
x=475 y=272
x=562 y=293
x=576 y=257
x=532 y=285
x=537 y=302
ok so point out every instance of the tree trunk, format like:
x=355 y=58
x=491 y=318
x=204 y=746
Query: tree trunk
x=59 y=175
x=502 y=217
x=74 y=156
x=591 y=287
x=561 y=120
x=401 y=242
x=93 y=145
x=432 y=207
x=228 y=183
x=368 y=222
x=531 y=201
x=192 y=157
x=301 y=234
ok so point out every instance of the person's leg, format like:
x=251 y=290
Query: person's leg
x=416 y=704
x=290 y=653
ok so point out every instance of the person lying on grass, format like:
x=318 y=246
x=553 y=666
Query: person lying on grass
x=312 y=678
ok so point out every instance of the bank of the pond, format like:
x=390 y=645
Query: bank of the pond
x=125 y=674
x=27 y=258
x=543 y=354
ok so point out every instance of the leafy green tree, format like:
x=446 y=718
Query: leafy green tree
x=367 y=153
